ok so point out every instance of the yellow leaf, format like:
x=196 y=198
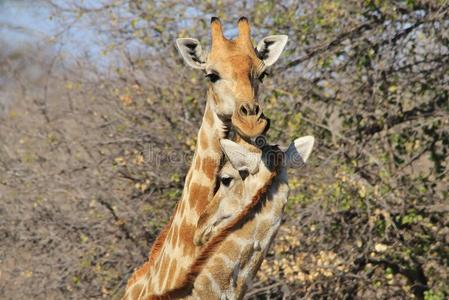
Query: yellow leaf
x=393 y=88
x=380 y=247
x=126 y=100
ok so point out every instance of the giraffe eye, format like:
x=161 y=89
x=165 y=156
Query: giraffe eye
x=225 y=180
x=213 y=77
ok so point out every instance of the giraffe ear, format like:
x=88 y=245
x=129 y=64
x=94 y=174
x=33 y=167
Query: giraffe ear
x=270 y=48
x=240 y=158
x=191 y=52
x=299 y=151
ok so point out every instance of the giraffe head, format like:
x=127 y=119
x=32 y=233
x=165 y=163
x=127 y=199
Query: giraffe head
x=247 y=169
x=246 y=174
x=234 y=69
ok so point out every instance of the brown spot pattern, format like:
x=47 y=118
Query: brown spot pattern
x=204 y=288
x=215 y=145
x=220 y=272
x=209 y=167
x=138 y=274
x=135 y=292
x=247 y=230
x=186 y=232
x=163 y=267
x=230 y=249
x=198 y=196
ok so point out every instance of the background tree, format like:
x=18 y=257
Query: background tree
x=99 y=125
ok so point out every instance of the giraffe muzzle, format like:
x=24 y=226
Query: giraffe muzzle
x=249 y=109
x=249 y=120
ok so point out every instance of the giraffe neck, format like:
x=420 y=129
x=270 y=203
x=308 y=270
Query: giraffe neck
x=230 y=270
x=174 y=251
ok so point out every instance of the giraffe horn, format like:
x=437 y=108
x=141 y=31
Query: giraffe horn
x=216 y=31
x=244 y=32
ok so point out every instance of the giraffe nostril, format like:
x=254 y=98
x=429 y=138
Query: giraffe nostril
x=243 y=110
x=250 y=109
x=257 y=109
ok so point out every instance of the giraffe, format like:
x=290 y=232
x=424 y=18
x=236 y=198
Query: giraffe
x=242 y=219
x=234 y=69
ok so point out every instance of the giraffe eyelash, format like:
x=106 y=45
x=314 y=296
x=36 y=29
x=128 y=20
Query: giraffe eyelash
x=213 y=76
x=226 y=180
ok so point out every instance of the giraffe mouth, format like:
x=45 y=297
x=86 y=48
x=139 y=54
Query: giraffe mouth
x=250 y=126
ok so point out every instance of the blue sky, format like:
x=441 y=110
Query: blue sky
x=24 y=22
x=21 y=21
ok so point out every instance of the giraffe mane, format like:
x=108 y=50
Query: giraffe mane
x=209 y=249
x=154 y=252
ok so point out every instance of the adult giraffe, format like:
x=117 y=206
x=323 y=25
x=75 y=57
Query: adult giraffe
x=234 y=69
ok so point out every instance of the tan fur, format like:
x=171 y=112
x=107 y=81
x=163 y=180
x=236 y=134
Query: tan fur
x=203 y=141
x=197 y=191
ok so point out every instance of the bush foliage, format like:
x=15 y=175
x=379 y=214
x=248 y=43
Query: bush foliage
x=95 y=144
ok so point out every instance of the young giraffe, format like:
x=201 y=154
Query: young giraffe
x=234 y=69
x=244 y=217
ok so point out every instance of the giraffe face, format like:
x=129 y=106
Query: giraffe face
x=248 y=168
x=244 y=174
x=234 y=76
x=237 y=183
x=234 y=69
x=247 y=171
